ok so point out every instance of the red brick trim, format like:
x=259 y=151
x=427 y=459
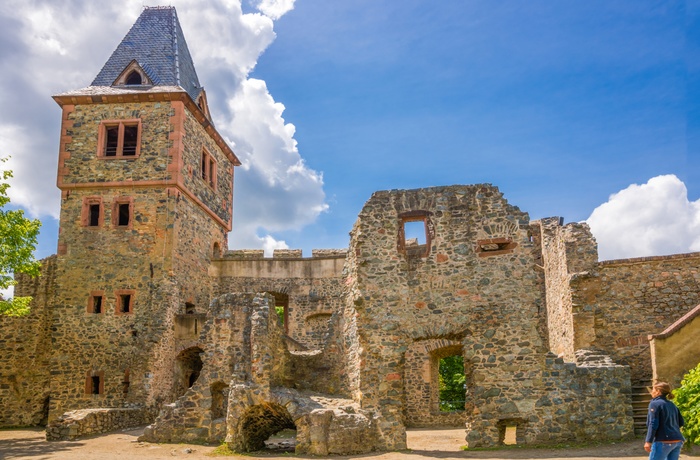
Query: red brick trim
x=88 y=382
x=115 y=212
x=91 y=302
x=63 y=154
x=118 y=304
x=121 y=123
x=152 y=96
x=85 y=213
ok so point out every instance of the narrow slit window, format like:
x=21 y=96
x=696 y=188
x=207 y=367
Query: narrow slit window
x=124 y=214
x=95 y=385
x=212 y=172
x=204 y=165
x=94 y=218
x=97 y=304
x=125 y=303
x=111 y=141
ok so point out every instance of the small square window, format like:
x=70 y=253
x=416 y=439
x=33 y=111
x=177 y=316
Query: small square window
x=125 y=302
x=94 y=383
x=92 y=215
x=122 y=212
x=96 y=302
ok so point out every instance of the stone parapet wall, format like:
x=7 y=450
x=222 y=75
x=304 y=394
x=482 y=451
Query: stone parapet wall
x=85 y=422
x=624 y=301
x=25 y=350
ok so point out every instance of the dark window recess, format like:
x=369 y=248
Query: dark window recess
x=112 y=141
x=134 y=78
x=123 y=210
x=94 y=215
x=212 y=170
x=189 y=308
x=126 y=303
x=97 y=304
x=204 y=166
x=95 y=384
x=125 y=383
x=131 y=135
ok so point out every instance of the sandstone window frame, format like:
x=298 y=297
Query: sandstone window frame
x=208 y=168
x=489 y=247
x=92 y=205
x=118 y=205
x=96 y=302
x=421 y=250
x=126 y=299
x=111 y=143
x=95 y=383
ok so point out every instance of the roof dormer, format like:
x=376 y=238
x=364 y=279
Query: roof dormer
x=133 y=75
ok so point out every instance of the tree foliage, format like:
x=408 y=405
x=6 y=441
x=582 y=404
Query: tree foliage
x=687 y=398
x=452 y=380
x=18 y=239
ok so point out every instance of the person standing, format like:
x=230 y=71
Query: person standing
x=664 y=421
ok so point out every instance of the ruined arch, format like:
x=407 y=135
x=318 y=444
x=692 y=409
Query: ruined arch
x=259 y=422
x=188 y=366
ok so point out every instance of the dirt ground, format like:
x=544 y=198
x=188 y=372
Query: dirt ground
x=442 y=444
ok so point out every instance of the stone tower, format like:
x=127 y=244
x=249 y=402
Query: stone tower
x=146 y=201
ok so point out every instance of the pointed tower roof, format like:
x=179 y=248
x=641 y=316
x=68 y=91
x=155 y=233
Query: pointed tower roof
x=156 y=43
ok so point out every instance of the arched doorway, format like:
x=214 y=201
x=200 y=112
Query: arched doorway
x=188 y=366
x=260 y=422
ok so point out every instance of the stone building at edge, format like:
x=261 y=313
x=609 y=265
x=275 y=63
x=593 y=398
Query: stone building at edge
x=144 y=316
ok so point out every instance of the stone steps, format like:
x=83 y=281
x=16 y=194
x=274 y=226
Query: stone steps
x=640 y=405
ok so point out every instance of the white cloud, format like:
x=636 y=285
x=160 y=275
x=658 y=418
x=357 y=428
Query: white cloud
x=275 y=9
x=655 y=218
x=8 y=293
x=48 y=47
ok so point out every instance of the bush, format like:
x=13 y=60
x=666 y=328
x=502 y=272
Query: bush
x=687 y=398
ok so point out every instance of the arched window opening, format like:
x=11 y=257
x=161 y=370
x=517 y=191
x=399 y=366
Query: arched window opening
x=134 y=78
x=216 y=252
x=189 y=308
x=188 y=366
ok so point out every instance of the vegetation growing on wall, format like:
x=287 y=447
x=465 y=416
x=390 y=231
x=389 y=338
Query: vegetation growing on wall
x=687 y=398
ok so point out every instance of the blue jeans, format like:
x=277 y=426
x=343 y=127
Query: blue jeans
x=665 y=450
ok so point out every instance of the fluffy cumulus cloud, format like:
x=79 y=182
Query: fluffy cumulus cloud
x=48 y=47
x=655 y=218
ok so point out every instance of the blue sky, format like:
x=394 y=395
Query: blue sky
x=560 y=104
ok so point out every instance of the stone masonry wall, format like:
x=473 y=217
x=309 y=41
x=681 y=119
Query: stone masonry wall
x=566 y=252
x=475 y=282
x=626 y=300
x=25 y=347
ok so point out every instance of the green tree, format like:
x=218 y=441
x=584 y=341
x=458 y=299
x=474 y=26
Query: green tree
x=687 y=398
x=452 y=380
x=17 y=243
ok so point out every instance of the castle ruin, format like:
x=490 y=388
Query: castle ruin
x=144 y=315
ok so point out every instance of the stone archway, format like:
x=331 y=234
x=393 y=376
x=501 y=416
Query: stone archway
x=188 y=366
x=261 y=421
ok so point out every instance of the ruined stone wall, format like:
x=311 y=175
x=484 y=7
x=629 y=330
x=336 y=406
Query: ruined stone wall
x=86 y=422
x=566 y=251
x=474 y=284
x=626 y=300
x=313 y=289
x=25 y=348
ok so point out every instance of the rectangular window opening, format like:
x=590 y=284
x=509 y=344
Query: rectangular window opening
x=111 y=141
x=204 y=166
x=212 y=172
x=131 y=136
x=97 y=304
x=414 y=232
x=125 y=303
x=95 y=387
x=510 y=437
x=452 y=381
x=124 y=215
x=94 y=215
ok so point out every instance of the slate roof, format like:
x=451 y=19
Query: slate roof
x=157 y=44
